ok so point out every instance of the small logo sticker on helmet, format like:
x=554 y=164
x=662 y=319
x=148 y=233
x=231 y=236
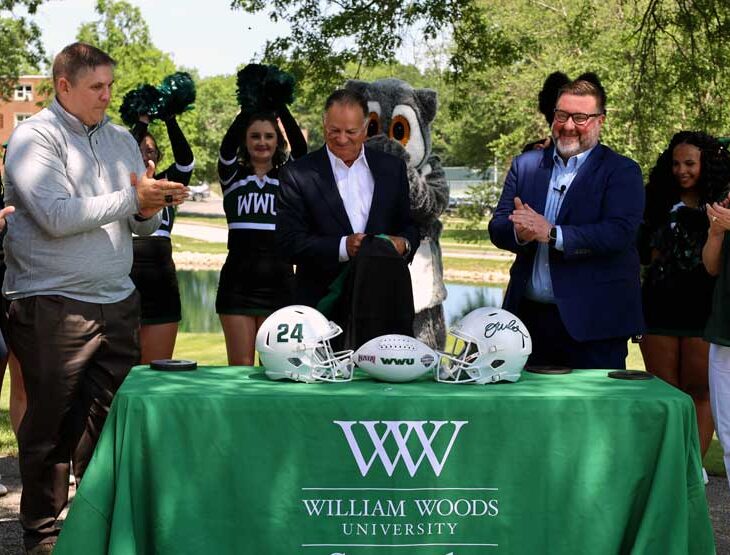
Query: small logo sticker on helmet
x=427 y=360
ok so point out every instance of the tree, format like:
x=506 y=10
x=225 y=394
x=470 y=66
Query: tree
x=480 y=201
x=683 y=47
x=122 y=33
x=327 y=36
x=661 y=61
x=215 y=108
x=20 y=44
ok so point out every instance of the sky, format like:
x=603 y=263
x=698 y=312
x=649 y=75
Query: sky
x=206 y=35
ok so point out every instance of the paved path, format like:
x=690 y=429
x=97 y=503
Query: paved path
x=718 y=499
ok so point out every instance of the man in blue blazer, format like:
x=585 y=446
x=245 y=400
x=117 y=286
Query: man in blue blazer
x=571 y=214
x=329 y=199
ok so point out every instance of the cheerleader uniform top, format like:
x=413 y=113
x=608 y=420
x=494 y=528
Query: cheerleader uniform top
x=677 y=290
x=249 y=201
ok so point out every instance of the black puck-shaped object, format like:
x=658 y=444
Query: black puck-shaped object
x=630 y=375
x=548 y=369
x=173 y=365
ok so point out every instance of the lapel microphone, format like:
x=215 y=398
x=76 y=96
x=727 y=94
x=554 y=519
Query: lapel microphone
x=560 y=190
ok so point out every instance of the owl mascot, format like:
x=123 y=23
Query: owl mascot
x=400 y=124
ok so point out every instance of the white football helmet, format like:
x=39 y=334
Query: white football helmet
x=490 y=345
x=294 y=344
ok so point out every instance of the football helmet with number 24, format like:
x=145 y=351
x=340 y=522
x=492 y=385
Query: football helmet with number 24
x=294 y=344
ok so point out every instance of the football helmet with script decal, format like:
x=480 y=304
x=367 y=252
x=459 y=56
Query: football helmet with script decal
x=294 y=344
x=487 y=345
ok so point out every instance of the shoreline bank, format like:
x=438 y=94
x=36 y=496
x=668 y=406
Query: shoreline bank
x=203 y=261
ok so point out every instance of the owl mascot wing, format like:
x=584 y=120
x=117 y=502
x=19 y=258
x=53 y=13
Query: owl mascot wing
x=400 y=124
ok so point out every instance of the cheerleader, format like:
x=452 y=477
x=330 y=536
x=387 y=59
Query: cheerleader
x=153 y=270
x=254 y=280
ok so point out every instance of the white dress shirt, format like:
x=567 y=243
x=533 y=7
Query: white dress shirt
x=356 y=186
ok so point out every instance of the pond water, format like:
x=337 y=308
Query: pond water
x=198 y=289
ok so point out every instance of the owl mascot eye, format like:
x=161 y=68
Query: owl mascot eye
x=400 y=123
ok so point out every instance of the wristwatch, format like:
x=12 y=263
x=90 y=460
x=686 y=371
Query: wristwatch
x=552 y=236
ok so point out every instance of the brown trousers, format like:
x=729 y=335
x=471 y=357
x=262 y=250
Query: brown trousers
x=74 y=356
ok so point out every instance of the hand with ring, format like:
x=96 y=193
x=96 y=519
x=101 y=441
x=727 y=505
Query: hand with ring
x=719 y=218
x=153 y=194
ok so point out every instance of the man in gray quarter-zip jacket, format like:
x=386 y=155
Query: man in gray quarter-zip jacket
x=80 y=189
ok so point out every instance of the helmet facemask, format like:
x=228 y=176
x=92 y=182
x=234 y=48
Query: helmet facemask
x=458 y=365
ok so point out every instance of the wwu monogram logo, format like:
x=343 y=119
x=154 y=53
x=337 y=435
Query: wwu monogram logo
x=400 y=431
x=397 y=361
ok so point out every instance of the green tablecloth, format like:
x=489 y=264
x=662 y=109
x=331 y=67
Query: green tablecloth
x=221 y=460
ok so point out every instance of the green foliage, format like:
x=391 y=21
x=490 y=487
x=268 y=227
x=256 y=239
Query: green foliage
x=327 y=36
x=480 y=201
x=682 y=52
x=21 y=50
x=661 y=62
x=121 y=32
x=204 y=127
x=496 y=105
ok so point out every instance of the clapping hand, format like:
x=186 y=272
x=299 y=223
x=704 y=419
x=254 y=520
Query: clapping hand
x=529 y=225
x=154 y=194
x=718 y=214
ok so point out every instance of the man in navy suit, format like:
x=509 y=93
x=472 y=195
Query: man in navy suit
x=571 y=214
x=329 y=199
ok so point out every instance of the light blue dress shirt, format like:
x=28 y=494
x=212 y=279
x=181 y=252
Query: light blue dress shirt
x=540 y=287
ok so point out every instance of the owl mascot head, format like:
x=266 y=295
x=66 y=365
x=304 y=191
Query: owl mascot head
x=400 y=124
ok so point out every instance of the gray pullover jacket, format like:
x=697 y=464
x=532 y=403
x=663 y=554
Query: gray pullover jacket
x=71 y=233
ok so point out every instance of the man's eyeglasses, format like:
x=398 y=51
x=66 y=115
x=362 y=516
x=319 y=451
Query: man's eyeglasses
x=561 y=116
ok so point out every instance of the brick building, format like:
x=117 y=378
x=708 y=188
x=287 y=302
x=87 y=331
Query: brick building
x=25 y=101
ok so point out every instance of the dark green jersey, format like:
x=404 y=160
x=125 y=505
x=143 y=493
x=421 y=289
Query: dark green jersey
x=250 y=206
x=250 y=202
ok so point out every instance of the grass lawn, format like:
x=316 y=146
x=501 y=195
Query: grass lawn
x=188 y=244
x=199 y=219
x=478 y=265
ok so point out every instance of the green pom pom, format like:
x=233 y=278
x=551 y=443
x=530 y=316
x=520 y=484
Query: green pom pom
x=248 y=86
x=264 y=88
x=177 y=95
x=144 y=100
x=278 y=88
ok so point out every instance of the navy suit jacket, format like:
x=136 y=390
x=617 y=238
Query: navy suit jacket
x=596 y=276
x=311 y=217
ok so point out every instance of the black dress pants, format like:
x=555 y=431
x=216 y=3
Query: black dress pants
x=552 y=345
x=74 y=356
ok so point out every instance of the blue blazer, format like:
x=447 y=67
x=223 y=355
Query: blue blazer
x=596 y=276
x=311 y=217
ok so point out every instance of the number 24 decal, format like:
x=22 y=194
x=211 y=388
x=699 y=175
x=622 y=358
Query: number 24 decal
x=296 y=333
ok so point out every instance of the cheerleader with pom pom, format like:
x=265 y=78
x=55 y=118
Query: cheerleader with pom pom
x=153 y=270
x=254 y=280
